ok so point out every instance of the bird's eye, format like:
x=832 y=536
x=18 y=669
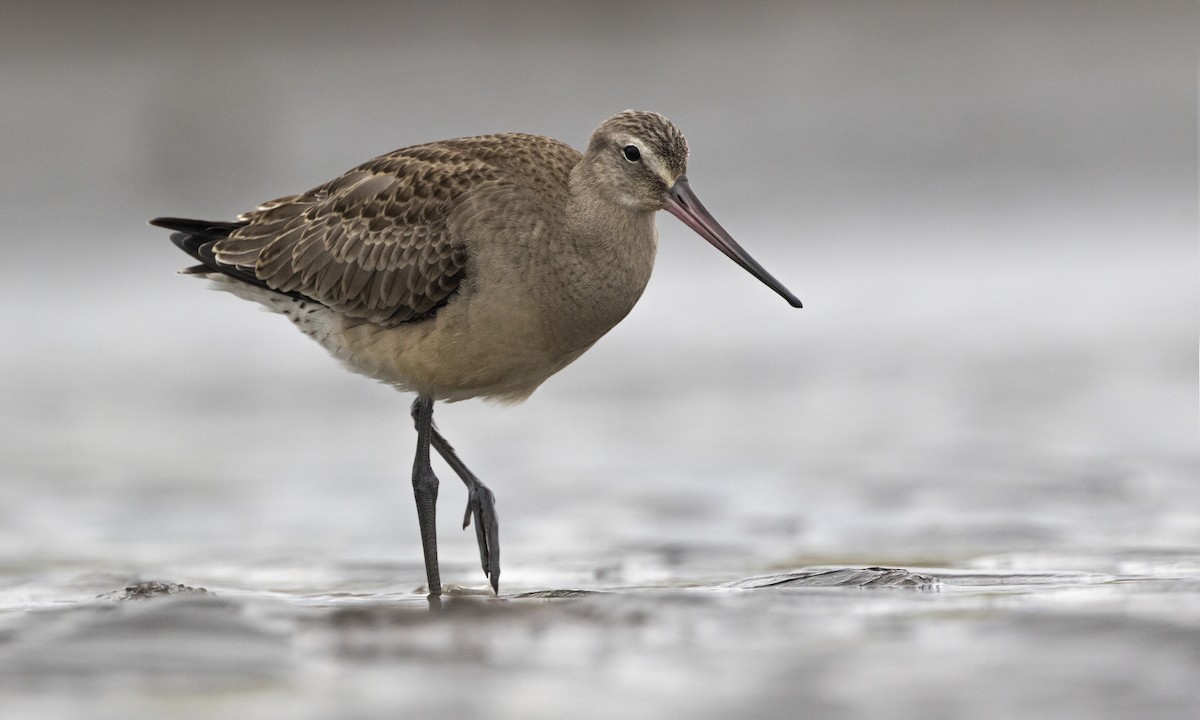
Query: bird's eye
x=632 y=154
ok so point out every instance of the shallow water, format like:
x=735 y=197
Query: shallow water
x=1090 y=639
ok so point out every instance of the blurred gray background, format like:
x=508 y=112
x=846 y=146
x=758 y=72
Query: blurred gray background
x=988 y=208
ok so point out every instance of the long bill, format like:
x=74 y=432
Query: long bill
x=683 y=204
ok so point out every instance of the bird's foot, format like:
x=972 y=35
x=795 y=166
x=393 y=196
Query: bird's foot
x=481 y=504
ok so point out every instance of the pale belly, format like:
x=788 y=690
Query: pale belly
x=465 y=351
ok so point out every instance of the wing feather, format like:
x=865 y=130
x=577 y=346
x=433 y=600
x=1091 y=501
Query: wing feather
x=377 y=243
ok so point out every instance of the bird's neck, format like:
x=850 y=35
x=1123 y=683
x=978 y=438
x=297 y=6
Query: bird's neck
x=606 y=263
x=600 y=224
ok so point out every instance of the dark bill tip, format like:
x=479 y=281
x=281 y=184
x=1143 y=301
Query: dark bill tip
x=683 y=204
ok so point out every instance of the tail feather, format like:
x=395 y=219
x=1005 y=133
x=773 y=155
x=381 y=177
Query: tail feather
x=197 y=238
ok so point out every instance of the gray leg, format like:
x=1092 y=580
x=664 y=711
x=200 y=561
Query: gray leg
x=481 y=504
x=425 y=488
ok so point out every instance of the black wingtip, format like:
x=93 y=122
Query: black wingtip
x=196 y=227
x=197 y=237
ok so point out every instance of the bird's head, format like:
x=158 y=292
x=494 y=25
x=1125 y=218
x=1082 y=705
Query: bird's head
x=638 y=160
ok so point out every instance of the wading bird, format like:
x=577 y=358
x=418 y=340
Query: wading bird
x=475 y=267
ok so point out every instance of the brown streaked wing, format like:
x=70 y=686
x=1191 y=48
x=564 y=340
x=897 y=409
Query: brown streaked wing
x=375 y=243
